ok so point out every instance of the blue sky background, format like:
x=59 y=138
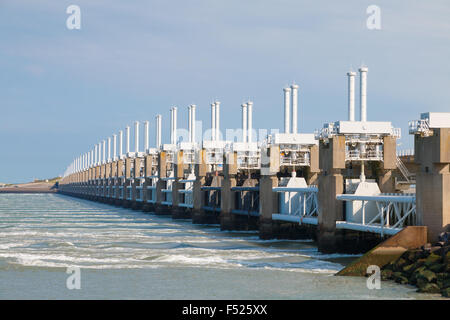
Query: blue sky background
x=62 y=91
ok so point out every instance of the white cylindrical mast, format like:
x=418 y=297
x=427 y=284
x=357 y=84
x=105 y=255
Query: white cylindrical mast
x=217 y=120
x=190 y=123
x=103 y=151
x=109 y=149
x=175 y=116
x=294 y=89
x=92 y=158
x=363 y=92
x=213 y=121
x=127 y=140
x=351 y=95
x=250 y=121
x=136 y=136
x=99 y=153
x=95 y=155
x=193 y=123
x=146 y=133
x=158 y=131
x=287 y=107
x=120 y=144
x=114 y=147
x=244 y=122
x=171 y=125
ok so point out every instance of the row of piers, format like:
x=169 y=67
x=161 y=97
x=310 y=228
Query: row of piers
x=344 y=186
x=245 y=199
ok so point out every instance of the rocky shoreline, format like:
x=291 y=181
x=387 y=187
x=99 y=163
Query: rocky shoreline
x=427 y=268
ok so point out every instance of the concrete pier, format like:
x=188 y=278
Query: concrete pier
x=331 y=183
x=161 y=208
x=339 y=186
x=433 y=181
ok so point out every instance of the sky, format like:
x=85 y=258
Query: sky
x=62 y=91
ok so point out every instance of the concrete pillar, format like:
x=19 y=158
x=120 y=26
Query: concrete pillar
x=331 y=183
x=119 y=181
x=228 y=220
x=127 y=168
x=161 y=184
x=433 y=182
x=177 y=211
x=103 y=180
x=108 y=170
x=386 y=180
x=312 y=176
x=135 y=182
x=126 y=182
x=148 y=164
x=268 y=204
x=108 y=180
x=114 y=169
x=200 y=169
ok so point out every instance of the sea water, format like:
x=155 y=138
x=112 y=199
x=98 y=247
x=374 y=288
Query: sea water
x=126 y=254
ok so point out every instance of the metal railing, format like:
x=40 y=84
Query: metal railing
x=186 y=194
x=298 y=205
x=419 y=126
x=394 y=212
x=214 y=156
x=405 y=153
x=248 y=160
x=410 y=178
x=167 y=191
x=374 y=155
x=293 y=157
x=151 y=189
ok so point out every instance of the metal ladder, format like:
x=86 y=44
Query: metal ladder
x=405 y=172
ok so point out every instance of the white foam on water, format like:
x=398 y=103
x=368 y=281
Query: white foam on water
x=66 y=233
x=302 y=270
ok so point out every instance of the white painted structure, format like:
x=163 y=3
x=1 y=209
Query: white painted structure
x=351 y=95
x=429 y=121
x=297 y=201
x=363 y=93
x=158 y=131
